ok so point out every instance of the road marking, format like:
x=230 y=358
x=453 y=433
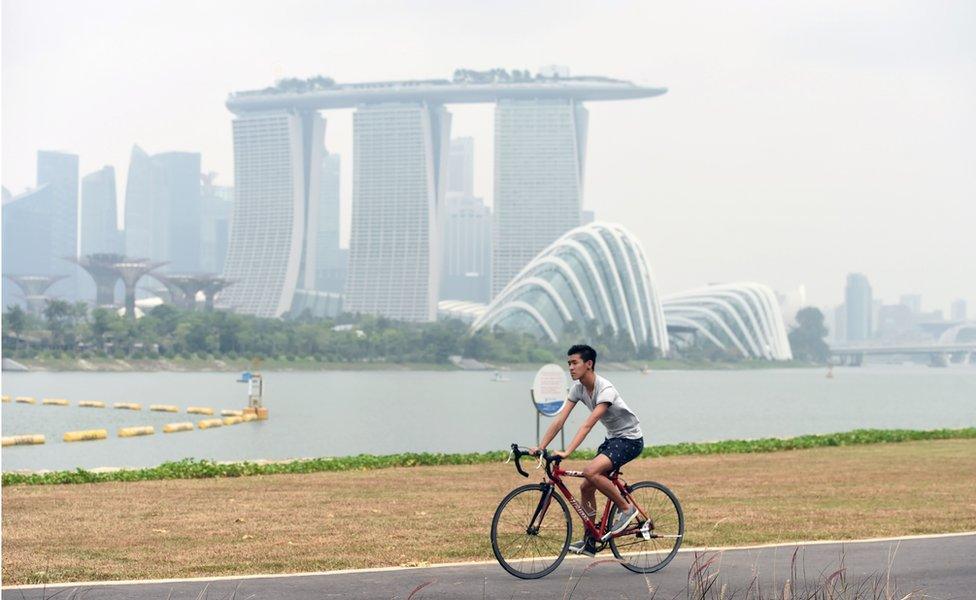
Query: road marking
x=464 y=564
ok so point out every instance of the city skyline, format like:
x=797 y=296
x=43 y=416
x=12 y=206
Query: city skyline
x=808 y=143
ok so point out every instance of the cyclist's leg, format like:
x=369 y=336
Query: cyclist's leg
x=596 y=475
x=588 y=495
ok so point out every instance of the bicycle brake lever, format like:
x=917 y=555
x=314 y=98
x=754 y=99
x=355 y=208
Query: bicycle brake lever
x=510 y=455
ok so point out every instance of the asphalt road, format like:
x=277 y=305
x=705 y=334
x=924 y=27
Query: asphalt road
x=941 y=567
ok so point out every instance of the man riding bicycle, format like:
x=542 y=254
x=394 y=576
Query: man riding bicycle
x=624 y=441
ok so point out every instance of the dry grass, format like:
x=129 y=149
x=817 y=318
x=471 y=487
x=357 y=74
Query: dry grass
x=321 y=521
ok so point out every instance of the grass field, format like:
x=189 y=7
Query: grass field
x=409 y=516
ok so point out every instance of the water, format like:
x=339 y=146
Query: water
x=349 y=412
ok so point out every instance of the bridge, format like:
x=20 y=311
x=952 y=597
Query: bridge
x=939 y=352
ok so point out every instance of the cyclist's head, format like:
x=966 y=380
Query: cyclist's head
x=585 y=355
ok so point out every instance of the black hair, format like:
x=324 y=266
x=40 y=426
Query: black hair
x=585 y=352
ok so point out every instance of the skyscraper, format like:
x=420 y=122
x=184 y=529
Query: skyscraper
x=460 y=168
x=216 y=210
x=162 y=209
x=912 y=301
x=272 y=251
x=399 y=165
x=540 y=148
x=28 y=236
x=466 y=265
x=957 y=311
x=59 y=170
x=329 y=273
x=466 y=231
x=860 y=306
x=99 y=224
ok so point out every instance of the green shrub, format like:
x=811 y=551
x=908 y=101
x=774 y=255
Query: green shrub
x=199 y=469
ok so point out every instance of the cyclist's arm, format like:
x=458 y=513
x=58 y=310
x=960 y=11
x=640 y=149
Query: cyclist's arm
x=585 y=428
x=556 y=425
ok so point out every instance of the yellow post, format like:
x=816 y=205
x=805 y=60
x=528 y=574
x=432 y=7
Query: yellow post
x=174 y=427
x=85 y=435
x=134 y=431
x=23 y=440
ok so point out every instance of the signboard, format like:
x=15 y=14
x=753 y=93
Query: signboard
x=549 y=390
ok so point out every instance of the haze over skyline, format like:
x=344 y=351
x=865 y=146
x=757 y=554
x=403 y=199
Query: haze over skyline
x=795 y=144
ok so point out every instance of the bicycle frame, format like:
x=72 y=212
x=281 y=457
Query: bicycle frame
x=596 y=530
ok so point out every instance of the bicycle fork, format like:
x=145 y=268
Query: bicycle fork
x=540 y=510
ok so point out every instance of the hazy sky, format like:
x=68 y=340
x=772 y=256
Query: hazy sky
x=797 y=142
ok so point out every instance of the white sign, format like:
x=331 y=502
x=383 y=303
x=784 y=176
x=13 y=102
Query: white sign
x=549 y=390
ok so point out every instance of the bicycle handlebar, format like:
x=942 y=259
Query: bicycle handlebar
x=518 y=453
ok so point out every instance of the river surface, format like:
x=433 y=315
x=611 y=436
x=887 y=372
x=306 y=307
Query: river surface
x=339 y=413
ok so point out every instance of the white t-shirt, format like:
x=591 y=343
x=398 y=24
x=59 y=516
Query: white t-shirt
x=620 y=421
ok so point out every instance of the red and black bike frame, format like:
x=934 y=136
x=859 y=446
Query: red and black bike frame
x=555 y=480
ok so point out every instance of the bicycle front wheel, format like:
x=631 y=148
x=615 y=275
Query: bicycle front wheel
x=531 y=531
x=648 y=545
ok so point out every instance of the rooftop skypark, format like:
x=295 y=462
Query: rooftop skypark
x=466 y=86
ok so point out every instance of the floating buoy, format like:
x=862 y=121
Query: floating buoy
x=23 y=440
x=233 y=420
x=199 y=410
x=208 y=423
x=164 y=408
x=127 y=405
x=232 y=413
x=174 y=427
x=55 y=401
x=5 y=398
x=259 y=412
x=249 y=416
x=134 y=431
x=86 y=435
x=91 y=404
x=26 y=400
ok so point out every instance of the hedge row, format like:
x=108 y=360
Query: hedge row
x=201 y=469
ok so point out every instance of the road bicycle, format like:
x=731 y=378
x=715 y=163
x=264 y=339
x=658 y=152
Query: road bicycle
x=532 y=529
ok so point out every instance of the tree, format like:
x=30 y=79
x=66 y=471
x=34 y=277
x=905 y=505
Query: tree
x=15 y=322
x=60 y=322
x=807 y=336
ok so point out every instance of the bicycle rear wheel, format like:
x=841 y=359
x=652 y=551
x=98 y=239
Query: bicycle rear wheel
x=649 y=546
x=531 y=531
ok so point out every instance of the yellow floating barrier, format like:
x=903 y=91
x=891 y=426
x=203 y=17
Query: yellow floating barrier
x=199 y=410
x=5 y=398
x=55 y=401
x=232 y=413
x=233 y=420
x=23 y=440
x=134 y=431
x=85 y=435
x=127 y=405
x=208 y=423
x=249 y=417
x=164 y=408
x=91 y=404
x=174 y=427
x=26 y=400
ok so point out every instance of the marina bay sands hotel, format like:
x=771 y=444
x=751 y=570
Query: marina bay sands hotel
x=401 y=141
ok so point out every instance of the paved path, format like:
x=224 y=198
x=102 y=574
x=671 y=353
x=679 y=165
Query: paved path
x=943 y=567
